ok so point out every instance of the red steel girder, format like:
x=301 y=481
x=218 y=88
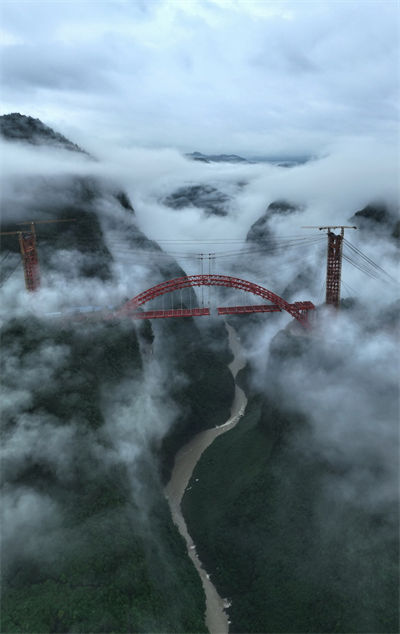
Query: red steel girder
x=173 y=312
x=261 y=308
x=245 y=310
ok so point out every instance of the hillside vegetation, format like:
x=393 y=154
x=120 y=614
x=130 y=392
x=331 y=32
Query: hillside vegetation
x=291 y=554
x=92 y=416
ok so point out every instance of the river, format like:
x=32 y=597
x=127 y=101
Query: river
x=186 y=459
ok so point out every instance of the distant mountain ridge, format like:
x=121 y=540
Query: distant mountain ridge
x=378 y=217
x=217 y=158
x=235 y=158
x=260 y=233
x=19 y=127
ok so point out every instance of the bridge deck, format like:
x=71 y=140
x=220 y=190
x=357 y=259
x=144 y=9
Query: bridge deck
x=223 y=310
x=173 y=312
x=245 y=310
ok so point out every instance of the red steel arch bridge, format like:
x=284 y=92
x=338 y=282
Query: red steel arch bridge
x=132 y=308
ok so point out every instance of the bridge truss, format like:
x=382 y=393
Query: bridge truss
x=298 y=310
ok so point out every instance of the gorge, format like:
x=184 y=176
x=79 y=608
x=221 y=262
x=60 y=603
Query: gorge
x=293 y=510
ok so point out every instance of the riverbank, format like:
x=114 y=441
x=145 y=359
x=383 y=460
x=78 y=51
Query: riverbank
x=185 y=462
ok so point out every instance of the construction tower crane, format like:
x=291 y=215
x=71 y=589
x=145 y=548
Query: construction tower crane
x=29 y=255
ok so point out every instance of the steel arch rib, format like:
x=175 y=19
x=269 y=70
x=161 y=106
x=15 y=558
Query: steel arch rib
x=211 y=280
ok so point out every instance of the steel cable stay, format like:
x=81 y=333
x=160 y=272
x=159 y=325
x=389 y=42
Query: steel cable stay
x=365 y=257
x=361 y=267
x=127 y=249
x=294 y=250
x=133 y=257
x=367 y=272
x=5 y=257
x=223 y=240
x=288 y=268
x=289 y=263
x=236 y=245
x=156 y=253
x=265 y=244
x=195 y=254
x=368 y=261
x=322 y=279
x=271 y=240
x=282 y=242
x=349 y=288
x=373 y=272
x=186 y=254
x=264 y=251
x=321 y=293
x=123 y=248
x=10 y=273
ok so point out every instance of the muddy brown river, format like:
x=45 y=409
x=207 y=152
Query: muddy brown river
x=186 y=459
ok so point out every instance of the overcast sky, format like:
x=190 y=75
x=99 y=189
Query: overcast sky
x=245 y=76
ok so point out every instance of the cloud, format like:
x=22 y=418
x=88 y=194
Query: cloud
x=138 y=408
x=347 y=385
x=66 y=423
x=329 y=190
x=30 y=521
x=235 y=76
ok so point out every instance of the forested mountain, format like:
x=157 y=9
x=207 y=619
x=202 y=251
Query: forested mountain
x=204 y=197
x=92 y=420
x=286 y=523
x=18 y=127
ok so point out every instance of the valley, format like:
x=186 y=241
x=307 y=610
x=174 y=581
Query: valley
x=232 y=473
